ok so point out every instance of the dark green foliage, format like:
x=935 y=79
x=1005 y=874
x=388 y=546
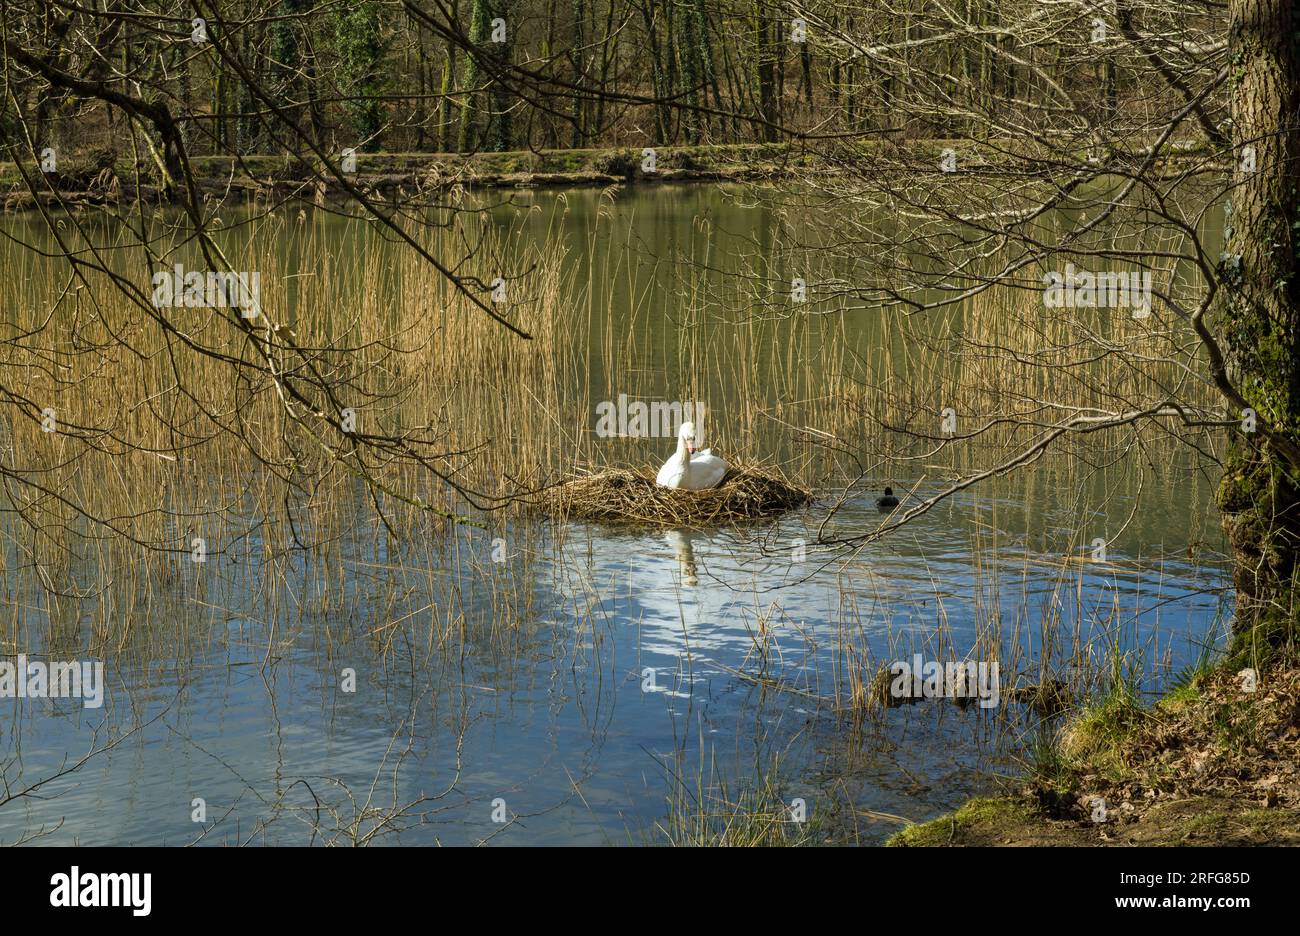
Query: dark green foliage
x=478 y=32
x=360 y=50
x=292 y=75
x=485 y=115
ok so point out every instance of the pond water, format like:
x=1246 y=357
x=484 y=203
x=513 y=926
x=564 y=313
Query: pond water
x=634 y=679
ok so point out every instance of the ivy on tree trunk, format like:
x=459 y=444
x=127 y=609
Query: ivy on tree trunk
x=1258 y=312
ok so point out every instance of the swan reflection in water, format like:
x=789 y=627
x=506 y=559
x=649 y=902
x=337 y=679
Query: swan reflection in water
x=681 y=542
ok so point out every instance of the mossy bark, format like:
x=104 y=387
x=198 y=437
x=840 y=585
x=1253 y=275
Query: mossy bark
x=1258 y=313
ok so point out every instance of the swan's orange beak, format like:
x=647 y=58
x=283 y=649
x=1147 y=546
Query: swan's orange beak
x=691 y=449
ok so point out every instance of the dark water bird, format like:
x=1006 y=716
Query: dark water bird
x=889 y=501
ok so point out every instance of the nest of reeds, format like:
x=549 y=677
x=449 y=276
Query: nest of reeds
x=624 y=497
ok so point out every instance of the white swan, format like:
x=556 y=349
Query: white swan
x=689 y=469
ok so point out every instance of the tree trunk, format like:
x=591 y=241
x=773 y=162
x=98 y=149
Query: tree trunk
x=502 y=132
x=764 y=57
x=656 y=73
x=1258 y=310
x=578 y=58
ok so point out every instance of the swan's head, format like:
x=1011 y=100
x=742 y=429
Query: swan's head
x=686 y=435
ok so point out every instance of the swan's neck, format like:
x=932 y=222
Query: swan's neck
x=684 y=456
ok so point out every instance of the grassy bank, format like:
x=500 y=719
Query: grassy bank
x=1214 y=762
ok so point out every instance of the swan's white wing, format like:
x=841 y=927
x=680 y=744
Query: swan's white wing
x=706 y=471
x=670 y=475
